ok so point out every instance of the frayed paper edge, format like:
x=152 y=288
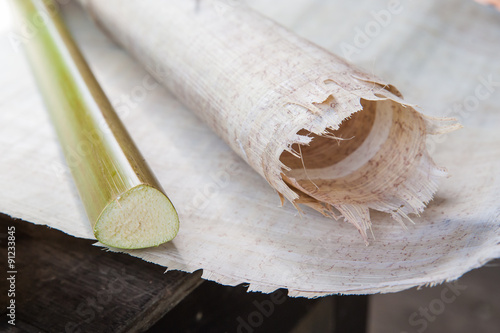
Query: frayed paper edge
x=414 y=195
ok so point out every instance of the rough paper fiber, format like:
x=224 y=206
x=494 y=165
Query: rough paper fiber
x=224 y=230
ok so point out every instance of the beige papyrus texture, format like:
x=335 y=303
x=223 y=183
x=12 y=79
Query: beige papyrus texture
x=231 y=224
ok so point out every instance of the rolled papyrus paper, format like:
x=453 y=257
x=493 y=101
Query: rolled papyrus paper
x=320 y=131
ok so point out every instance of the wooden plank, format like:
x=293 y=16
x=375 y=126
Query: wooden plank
x=351 y=313
x=64 y=284
x=217 y=308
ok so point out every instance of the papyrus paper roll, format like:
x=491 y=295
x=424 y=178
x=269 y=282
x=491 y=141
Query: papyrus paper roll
x=319 y=130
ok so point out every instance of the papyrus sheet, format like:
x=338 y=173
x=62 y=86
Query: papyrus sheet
x=442 y=56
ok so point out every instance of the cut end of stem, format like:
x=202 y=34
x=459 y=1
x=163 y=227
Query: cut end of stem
x=141 y=217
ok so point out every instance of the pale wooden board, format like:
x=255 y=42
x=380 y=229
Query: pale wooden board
x=231 y=222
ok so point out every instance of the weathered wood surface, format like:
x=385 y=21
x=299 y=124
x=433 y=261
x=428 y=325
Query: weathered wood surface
x=64 y=284
x=215 y=308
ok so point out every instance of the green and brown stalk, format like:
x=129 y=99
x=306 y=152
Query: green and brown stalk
x=125 y=203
